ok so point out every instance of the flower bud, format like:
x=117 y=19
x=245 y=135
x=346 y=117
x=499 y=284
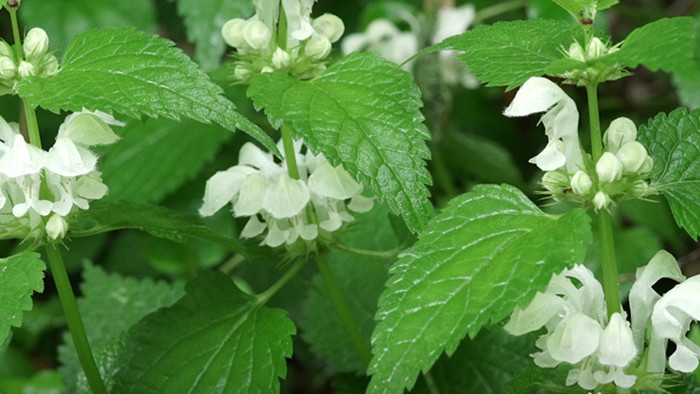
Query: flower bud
x=632 y=155
x=647 y=166
x=8 y=70
x=280 y=59
x=640 y=189
x=317 y=47
x=56 y=227
x=609 y=168
x=49 y=67
x=601 y=201
x=581 y=183
x=90 y=186
x=36 y=43
x=25 y=69
x=256 y=34
x=555 y=181
x=621 y=130
x=595 y=48
x=329 y=26
x=242 y=72
x=6 y=50
x=232 y=31
x=267 y=69
x=576 y=52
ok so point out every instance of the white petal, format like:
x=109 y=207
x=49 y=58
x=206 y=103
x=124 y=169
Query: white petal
x=360 y=203
x=253 y=228
x=89 y=129
x=90 y=187
x=222 y=187
x=452 y=21
x=683 y=360
x=251 y=155
x=575 y=339
x=333 y=182
x=22 y=159
x=286 y=197
x=616 y=343
x=643 y=297
x=541 y=309
x=275 y=236
x=551 y=158
x=353 y=43
x=7 y=130
x=535 y=95
x=252 y=195
x=673 y=313
x=67 y=159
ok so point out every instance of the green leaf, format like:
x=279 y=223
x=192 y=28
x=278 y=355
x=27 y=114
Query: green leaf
x=667 y=44
x=508 y=53
x=214 y=340
x=485 y=364
x=489 y=251
x=104 y=216
x=204 y=20
x=20 y=276
x=110 y=305
x=156 y=157
x=123 y=70
x=673 y=141
x=361 y=279
x=64 y=19
x=363 y=113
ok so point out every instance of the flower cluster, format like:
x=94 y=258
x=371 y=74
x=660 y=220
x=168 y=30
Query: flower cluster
x=262 y=48
x=620 y=173
x=604 y=350
x=384 y=38
x=36 y=62
x=594 y=72
x=38 y=189
x=281 y=208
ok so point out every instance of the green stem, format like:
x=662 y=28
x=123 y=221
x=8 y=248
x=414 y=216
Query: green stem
x=384 y=254
x=32 y=124
x=230 y=264
x=272 y=290
x=611 y=286
x=289 y=154
x=75 y=322
x=341 y=309
x=594 y=117
x=15 y=33
x=497 y=9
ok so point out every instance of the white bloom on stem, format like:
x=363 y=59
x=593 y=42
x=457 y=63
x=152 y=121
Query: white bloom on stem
x=609 y=168
x=578 y=332
x=262 y=189
x=35 y=45
x=620 y=131
x=560 y=121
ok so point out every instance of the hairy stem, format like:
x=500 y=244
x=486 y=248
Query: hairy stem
x=75 y=322
x=611 y=286
x=15 y=33
x=384 y=254
x=342 y=310
x=272 y=290
x=32 y=124
x=430 y=383
x=289 y=156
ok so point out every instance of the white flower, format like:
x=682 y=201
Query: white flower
x=620 y=131
x=560 y=121
x=578 y=332
x=260 y=188
x=581 y=183
x=609 y=168
x=329 y=26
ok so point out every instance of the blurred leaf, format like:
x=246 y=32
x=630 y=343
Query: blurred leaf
x=214 y=340
x=204 y=20
x=576 y=7
x=363 y=113
x=508 y=53
x=485 y=364
x=361 y=279
x=546 y=9
x=489 y=251
x=481 y=159
x=104 y=216
x=655 y=214
x=44 y=382
x=110 y=305
x=20 y=276
x=125 y=71
x=157 y=156
x=673 y=141
x=64 y=19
